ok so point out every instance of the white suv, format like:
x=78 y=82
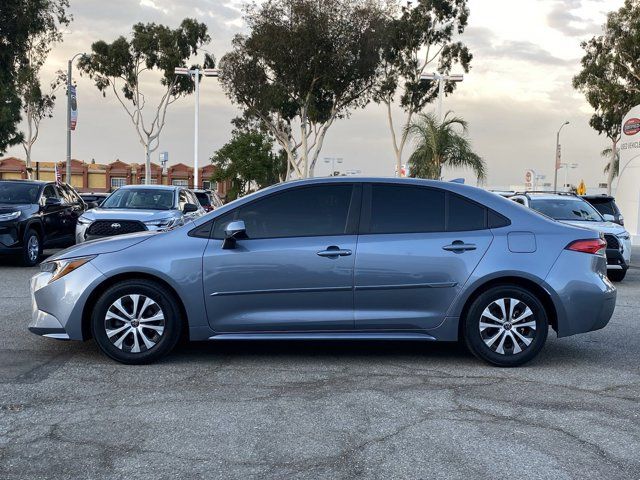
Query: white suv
x=573 y=210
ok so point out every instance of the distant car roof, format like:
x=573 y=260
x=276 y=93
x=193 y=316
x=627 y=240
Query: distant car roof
x=549 y=195
x=158 y=187
x=598 y=197
x=35 y=182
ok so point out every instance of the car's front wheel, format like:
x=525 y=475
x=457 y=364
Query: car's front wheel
x=506 y=326
x=31 y=248
x=136 y=321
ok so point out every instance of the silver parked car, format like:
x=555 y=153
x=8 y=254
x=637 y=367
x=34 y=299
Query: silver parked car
x=138 y=208
x=573 y=210
x=339 y=258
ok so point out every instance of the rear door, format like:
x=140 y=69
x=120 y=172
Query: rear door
x=52 y=216
x=417 y=248
x=294 y=272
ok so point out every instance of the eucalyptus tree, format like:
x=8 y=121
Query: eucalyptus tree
x=119 y=67
x=441 y=144
x=420 y=39
x=28 y=29
x=303 y=65
x=610 y=75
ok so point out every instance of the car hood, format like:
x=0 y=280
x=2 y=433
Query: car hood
x=604 y=227
x=24 y=208
x=125 y=214
x=106 y=245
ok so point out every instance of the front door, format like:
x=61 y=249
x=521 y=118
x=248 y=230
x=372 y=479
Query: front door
x=417 y=249
x=294 y=272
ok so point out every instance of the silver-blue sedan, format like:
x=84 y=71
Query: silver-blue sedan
x=338 y=258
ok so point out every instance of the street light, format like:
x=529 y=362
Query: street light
x=558 y=157
x=333 y=161
x=566 y=167
x=69 y=72
x=195 y=75
x=441 y=79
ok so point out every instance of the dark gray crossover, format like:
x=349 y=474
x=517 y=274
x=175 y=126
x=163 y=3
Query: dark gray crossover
x=338 y=258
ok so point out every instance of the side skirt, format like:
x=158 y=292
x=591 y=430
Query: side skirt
x=410 y=336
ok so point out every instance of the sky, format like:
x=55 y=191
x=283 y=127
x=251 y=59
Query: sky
x=515 y=97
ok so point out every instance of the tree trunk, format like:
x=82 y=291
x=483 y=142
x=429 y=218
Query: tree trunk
x=147 y=166
x=614 y=147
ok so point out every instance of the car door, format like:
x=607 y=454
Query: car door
x=75 y=207
x=417 y=248
x=294 y=272
x=52 y=215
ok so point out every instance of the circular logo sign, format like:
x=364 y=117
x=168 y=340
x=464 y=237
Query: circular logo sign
x=528 y=176
x=631 y=126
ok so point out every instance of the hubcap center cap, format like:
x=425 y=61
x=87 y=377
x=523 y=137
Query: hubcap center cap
x=135 y=323
x=507 y=325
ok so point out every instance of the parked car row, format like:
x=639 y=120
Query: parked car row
x=35 y=215
x=586 y=212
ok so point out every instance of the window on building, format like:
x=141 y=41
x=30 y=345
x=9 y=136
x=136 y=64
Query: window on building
x=117 y=182
x=180 y=182
x=154 y=181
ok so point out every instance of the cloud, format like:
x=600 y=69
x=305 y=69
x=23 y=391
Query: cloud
x=563 y=18
x=483 y=44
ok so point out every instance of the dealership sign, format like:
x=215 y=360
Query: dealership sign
x=628 y=184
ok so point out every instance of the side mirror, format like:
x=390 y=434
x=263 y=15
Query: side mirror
x=608 y=217
x=91 y=205
x=52 y=202
x=190 y=208
x=234 y=231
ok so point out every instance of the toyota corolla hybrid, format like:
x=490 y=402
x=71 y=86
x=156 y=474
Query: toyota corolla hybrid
x=339 y=258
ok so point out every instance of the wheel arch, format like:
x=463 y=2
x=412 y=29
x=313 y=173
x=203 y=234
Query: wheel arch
x=510 y=280
x=36 y=225
x=110 y=281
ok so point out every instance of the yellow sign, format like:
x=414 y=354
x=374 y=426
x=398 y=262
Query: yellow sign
x=582 y=188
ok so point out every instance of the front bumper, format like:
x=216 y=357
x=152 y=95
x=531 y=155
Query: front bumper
x=10 y=240
x=57 y=307
x=616 y=260
x=583 y=295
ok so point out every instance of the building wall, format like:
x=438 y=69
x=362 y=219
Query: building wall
x=97 y=180
x=10 y=176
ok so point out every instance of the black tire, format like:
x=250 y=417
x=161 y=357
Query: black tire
x=511 y=355
x=616 y=275
x=29 y=257
x=126 y=353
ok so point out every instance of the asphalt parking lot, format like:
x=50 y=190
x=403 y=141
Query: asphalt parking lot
x=318 y=410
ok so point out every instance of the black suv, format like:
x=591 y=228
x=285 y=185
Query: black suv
x=606 y=205
x=34 y=215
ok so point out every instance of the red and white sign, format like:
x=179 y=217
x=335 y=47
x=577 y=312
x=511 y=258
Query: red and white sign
x=631 y=126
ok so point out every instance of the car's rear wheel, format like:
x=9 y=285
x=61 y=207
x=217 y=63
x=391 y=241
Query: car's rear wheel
x=616 y=275
x=506 y=326
x=31 y=248
x=136 y=322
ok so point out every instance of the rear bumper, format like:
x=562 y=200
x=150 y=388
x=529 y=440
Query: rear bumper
x=584 y=297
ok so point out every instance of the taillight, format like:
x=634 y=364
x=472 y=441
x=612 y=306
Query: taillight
x=596 y=246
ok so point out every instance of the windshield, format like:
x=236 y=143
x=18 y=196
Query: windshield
x=140 y=199
x=566 y=209
x=19 y=193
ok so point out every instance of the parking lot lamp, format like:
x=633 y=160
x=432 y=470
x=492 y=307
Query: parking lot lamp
x=441 y=79
x=558 y=157
x=195 y=75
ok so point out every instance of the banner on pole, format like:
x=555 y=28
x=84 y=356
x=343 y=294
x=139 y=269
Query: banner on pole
x=74 y=107
x=628 y=184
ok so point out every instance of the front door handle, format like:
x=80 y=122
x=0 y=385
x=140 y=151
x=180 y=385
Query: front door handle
x=459 y=246
x=334 y=252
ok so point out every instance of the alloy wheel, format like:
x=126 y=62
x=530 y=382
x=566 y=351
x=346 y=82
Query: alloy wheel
x=33 y=248
x=507 y=326
x=134 y=323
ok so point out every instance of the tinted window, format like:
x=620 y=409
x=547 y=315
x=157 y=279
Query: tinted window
x=566 y=209
x=465 y=215
x=302 y=212
x=203 y=198
x=604 y=206
x=402 y=209
x=49 y=192
x=17 y=193
x=497 y=221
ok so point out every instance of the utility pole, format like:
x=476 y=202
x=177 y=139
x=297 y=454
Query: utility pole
x=69 y=85
x=195 y=75
x=558 y=157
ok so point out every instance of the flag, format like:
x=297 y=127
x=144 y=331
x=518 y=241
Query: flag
x=57 y=173
x=74 y=107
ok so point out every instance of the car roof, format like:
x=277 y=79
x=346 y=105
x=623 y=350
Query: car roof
x=155 y=187
x=598 y=197
x=549 y=195
x=33 y=182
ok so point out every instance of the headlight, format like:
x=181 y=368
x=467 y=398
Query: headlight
x=624 y=236
x=84 y=221
x=60 y=268
x=162 y=222
x=5 y=217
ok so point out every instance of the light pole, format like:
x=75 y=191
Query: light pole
x=69 y=85
x=558 y=157
x=195 y=75
x=333 y=161
x=441 y=79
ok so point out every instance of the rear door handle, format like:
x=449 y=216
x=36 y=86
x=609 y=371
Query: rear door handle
x=459 y=246
x=334 y=252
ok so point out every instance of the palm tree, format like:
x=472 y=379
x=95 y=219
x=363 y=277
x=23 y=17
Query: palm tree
x=606 y=153
x=441 y=144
